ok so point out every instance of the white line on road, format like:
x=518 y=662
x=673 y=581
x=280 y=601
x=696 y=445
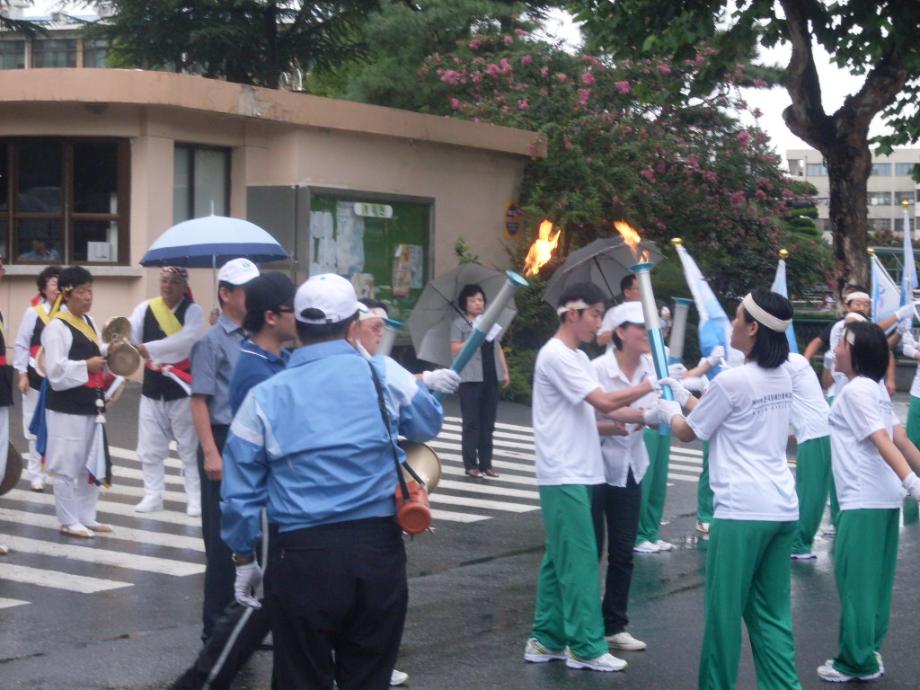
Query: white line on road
x=486 y=488
x=112 y=507
x=527 y=438
x=505 y=478
x=497 y=442
x=523 y=466
x=128 y=454
x=480 y=503
x=90 y=554
x=687 y=451
x=498 y=425
x=57 y=580
x=120 y=471
x=10 y=603
x=683 y=477
x=451 y=516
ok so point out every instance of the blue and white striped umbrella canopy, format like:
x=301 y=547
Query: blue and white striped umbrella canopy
x=212 y=241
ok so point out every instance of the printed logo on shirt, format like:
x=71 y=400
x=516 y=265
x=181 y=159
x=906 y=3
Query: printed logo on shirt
x=771 y=401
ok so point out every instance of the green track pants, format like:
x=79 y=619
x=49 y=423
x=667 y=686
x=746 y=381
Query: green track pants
x=865 y=554
x=654 y=486
x=911 y=507
x=704 y=496
x=812 y=484
x=568 y=607
x=748 y=576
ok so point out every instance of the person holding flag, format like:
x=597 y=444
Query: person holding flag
x=28 y=342
x=163 y=330
x=76 y=453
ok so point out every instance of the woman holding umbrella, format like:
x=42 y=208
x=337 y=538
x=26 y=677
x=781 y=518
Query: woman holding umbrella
x=479 y=384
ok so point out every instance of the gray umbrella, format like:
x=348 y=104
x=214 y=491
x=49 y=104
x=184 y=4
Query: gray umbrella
x=436 y=308
x=604 y=262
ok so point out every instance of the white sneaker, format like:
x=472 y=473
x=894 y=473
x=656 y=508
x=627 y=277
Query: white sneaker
x=828 y=673
x=396 y=677
x=149 y=504
x=193 y=509
x=702 y=528
x=626 y=642
x=3 y=550
x=804 y=556
x=38 y=485
x=646 y=547
x=536 y=653
x=663 y=545
x=604 y=662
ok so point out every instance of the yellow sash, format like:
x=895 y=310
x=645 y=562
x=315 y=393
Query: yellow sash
x=167 y=321
x=79 y=324
x=42 y=313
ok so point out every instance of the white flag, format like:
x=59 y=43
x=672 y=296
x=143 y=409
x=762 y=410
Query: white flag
x=780 y=288
x=909 y=273
x=886 y=297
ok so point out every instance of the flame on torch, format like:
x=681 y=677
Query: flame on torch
x=632 y=240
x=542 y=248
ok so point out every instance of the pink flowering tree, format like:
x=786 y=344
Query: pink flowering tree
x=625 y=140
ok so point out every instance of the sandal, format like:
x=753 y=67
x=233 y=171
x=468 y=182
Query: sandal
x=474 y=473
x=490 y=473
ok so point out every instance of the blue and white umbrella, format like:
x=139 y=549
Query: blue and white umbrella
x=211 y=241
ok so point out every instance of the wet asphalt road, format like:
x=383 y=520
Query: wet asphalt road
x=471 y=603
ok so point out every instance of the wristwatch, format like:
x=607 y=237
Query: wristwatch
x=242 y=560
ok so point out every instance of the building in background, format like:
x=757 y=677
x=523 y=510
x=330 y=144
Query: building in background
x=61 y=45
x=890 y=183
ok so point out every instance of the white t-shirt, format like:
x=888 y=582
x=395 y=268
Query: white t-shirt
x=622 y=453
x=838 y=380
x=564 y=427
x=809 y=408
x=745 y=417
x=915 y=386
x=863 y=479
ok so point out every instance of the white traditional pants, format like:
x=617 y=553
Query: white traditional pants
x=29 y=401
x=70 y=438
x=159 y=422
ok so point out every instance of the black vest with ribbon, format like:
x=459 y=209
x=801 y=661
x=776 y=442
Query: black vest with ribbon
x=156 y=385
x=82 y=399
x=35 y=381
x=6 y=371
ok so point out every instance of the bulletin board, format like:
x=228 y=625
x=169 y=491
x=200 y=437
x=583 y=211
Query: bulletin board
x=381 y=245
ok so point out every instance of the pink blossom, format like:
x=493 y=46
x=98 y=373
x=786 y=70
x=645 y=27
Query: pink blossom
x=505 y=66
x=561 y=76
x=454 y=103
x=743 y=137
x=476 y=77
x=622 y=87
x=587 y=78
x=583 y=96
x=508 y=40
x=544 y=71
x=648 y=174
x=589 y=59
x=493 y=70
x=736 y=198
x=710 y=176
x=664 y=68
x=436 y=58
x=476 y=43
x=520 y=33
x=523 y=104
x=567 y=143
x=452 y=77
x=527 y=59
x=757 y=112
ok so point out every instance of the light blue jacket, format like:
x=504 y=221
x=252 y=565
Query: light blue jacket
x=310 y=445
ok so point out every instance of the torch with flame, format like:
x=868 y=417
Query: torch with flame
x=542 y=248
x=643 y=271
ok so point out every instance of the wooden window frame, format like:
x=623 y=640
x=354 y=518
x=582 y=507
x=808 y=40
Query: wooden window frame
x=191 y=148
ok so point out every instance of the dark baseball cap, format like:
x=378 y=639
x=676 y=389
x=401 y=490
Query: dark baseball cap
x=269 y=291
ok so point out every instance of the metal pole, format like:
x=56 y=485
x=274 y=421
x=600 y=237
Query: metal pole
x=679 y=328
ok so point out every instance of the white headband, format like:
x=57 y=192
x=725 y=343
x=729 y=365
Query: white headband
x=577 y=304
x=764 y=317
x=857 y=295
x=375 y=313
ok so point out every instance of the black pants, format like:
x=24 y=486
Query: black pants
x=619 y=507
x=337 y=597
x=478 y=407
x=219 y=573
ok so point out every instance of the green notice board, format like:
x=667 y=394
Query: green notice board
x=381 y=246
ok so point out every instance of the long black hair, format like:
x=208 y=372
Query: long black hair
x=771 y=348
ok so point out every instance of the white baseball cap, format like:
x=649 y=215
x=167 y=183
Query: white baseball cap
x=628 y=312
x=237 y=272
x=329 y=298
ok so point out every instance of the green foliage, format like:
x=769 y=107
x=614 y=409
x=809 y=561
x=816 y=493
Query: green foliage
x=22 y=26
x=463 y=252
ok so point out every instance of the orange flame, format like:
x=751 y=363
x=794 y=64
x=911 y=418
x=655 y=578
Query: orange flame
x=542 y=248
x=632 y=239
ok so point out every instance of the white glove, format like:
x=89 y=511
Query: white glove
x=830 y=360
x=906 y=311
x=681 y=394
x=697 y=384
x=667 y=409
x=716 y=356
x=912 y=484
x=651 y=417
x=441 y=380
x=676 y=370
x=909 y=350
x=248 y=578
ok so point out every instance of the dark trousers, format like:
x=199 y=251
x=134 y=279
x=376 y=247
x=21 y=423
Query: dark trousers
x=337 y=597
x=619 y=508
x=219 y=573
x=478 y=407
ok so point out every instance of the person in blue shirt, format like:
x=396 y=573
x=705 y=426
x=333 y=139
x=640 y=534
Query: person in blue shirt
x=311 y=447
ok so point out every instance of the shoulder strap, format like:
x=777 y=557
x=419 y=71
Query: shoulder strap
x=79 y=324
x=165 y=317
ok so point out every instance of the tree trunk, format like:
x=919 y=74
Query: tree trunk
x=848 y=165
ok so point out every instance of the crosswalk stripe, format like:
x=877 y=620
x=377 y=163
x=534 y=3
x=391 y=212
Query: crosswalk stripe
x=527 y=438
x=174 y=541
x=120 y=471
x=498 y=425
x=505 y=478
x=439 y=446
x=57 y=580
x=452 y=516
x=677 y=465
x=495 y=442
x=128 y=454
x=683 y=477
x=10 y=603
x=112 y=507
x=449 y=499
x=481 y=488
x=687 y=451
x=89 y=554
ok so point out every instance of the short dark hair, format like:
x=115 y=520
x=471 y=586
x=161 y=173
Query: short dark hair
x=627 y=281
x=47 y=273
x=377 y=304
x=467 y=292
x=589 y=293
x=869 y=351
x=230 y=286
x=254 y=321
x=309 y=333
x=74 y=276
x=771 y=348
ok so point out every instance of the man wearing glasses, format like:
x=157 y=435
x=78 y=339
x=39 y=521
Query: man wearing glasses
x=164 y=329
